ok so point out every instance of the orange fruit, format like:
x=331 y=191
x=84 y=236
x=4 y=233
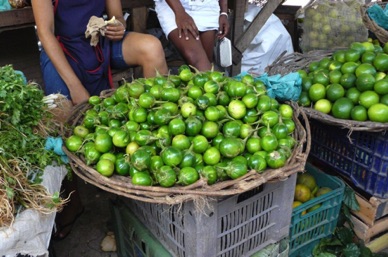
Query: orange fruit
x=368 y=57
x=378 y=112
x=353 y=94
x=323 y=190
x=352 y=55
x=306 y=179
x=368 y=98
x=381 y=87
x=381 y=62
x=359 y=113
x=302 y=193
x=365 y=82
x=342 y=107
x=296 y=204
x=334 y=91
x=335 y=76
x=317 y=91
x=365 y=68
x=349 y=67
x=348 y=80
x=313 y=208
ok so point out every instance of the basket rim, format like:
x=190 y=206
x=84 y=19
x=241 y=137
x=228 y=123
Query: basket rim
x=380 y=33
x=352 y=125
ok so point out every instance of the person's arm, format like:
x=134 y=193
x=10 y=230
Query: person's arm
x=223 y=20
x=115 y=31
x=44 y=19
x=184 y=22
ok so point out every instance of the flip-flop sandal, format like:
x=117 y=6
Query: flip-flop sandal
x=63 y=231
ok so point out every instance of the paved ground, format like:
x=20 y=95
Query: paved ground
x=90 y=228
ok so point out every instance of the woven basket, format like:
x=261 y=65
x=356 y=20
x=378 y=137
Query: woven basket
x=122 y=185
x=297 y=61
x=381 y=33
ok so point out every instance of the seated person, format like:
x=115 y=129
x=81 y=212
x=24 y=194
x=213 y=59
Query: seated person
x=192 y=27
x=73 y=67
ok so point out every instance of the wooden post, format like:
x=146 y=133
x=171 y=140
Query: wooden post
x=241 y=40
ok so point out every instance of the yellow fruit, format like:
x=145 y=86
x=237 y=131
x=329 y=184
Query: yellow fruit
x=323 y=190
x=315 y=190
x=296 y=204
x=302 y=193
x=306 y=179
x=317 y=206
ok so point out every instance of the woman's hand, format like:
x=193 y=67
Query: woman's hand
x=186 y=26
x=115 y=31
x=80 y=96
x=224 y=27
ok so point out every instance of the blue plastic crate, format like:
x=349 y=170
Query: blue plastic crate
x=360 y=156
x=307 y=229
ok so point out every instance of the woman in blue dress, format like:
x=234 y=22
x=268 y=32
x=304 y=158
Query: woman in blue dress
x=73 y=67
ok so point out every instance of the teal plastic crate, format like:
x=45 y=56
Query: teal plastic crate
x=306 y=230
x=133 y=239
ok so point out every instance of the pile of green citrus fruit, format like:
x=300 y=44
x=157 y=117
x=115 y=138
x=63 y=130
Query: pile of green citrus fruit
x=176 y=129
x=327 y=24
x=352 y=84
x=307 y=189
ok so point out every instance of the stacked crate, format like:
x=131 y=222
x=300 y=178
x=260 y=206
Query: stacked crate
x=361 y=158
x=307 y=229
x=238 y=225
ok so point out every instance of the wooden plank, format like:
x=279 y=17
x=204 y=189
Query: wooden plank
x=139 y=19
x=23 y=17
x=253 y=29
x=16 y=18
x=130 y=4
x=371 y=210
x=241 y=40
x=239 y=8
x=367 y=233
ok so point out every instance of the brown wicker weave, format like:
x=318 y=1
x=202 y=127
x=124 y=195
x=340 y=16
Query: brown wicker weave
x=122 y=186
x=296 y=61
x=381 y=33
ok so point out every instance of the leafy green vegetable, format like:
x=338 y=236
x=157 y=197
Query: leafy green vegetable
x=344 y=242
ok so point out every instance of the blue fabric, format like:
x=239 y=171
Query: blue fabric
x=21 y=74
x=378 y=15
x=4 y=5
x=286 y=88
x=55 y=144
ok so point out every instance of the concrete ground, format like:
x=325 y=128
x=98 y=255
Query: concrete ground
x=90 y=228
